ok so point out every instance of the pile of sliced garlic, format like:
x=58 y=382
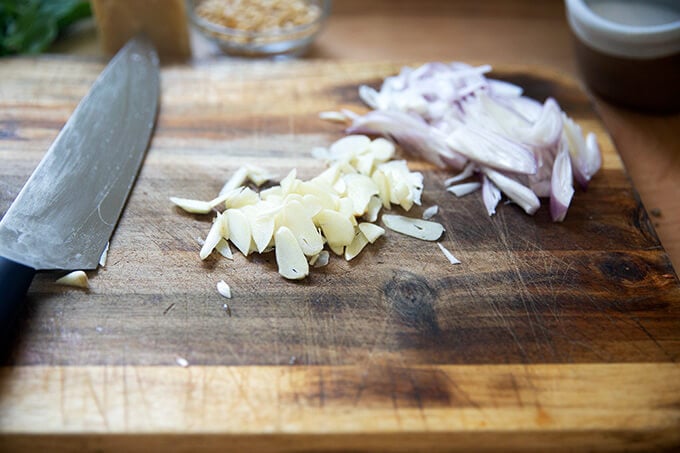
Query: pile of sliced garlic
x=298 y=219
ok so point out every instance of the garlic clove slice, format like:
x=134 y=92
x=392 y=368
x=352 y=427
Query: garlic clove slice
x=239 y=230
x=371 y=231
x=296 y=218
x=214 y=236
x=356 y=246
x=417 y=228
x=223 y=249
x=77 y=279
x=192 y=206
x=381 y=149
x=336 y=227
x=383 y=185
x=236 y=180
x=322 y=259
x=291 y=260
x=373 y=209
x=360 y=189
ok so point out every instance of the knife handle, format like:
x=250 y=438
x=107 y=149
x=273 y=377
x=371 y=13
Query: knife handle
x=15 y=278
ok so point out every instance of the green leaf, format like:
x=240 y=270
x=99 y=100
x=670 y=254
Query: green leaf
x=30 y=26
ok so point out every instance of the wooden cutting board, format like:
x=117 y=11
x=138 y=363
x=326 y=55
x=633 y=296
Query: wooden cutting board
x=547 y=335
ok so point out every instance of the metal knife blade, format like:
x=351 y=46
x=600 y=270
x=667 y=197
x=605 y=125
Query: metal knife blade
x=66 y=212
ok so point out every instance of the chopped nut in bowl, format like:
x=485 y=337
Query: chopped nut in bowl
x=260 y=28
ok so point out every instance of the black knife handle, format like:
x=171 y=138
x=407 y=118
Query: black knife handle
x=15 y=279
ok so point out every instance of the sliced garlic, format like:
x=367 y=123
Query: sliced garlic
x=214 y=236
x=236 y=180
x=382 y=183
x=320 y=189
x=181 y=361
x=192 y=206
x=371 y=231
x=336 y=227
x=223 y=249
x=239 y=230
x=347 y=147
x=382 y=149
x=204 y=207
x=262 y=230
x=224 y=289
x=337 y=249
x=322 y=259
x=245 y=197
x=430 y=212
x=449 y=256
x=360 y=189
x=358 y=243
x=333 y=116
x=417 y=228
x=289 y=183
x=291 y=260
x=295 y=217
x=258 y=175
x=75 y=278
x=373 y=209
x=104 y=255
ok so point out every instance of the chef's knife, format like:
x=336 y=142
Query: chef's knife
x=65 y=214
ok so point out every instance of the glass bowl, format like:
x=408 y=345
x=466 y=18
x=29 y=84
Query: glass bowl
x=278 y=37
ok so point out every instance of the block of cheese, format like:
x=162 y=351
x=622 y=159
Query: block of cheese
x=163 y=21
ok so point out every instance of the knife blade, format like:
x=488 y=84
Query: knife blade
x=66 y=212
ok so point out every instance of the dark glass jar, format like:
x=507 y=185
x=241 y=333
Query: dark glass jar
x=628 y=51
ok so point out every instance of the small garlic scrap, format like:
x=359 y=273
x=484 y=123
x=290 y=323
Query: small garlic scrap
x=224 y=289
x=322 y=259
x=181 y=361
x=333 y=116
x=430 y=212
x=104 y=255
x=75 y=278
x=449 y=256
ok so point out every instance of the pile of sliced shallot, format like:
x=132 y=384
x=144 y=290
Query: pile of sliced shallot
x=501 y=141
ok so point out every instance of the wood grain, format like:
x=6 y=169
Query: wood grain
x=547 y=335
x=385 y=407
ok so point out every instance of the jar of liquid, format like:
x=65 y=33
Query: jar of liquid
x=629 y=50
